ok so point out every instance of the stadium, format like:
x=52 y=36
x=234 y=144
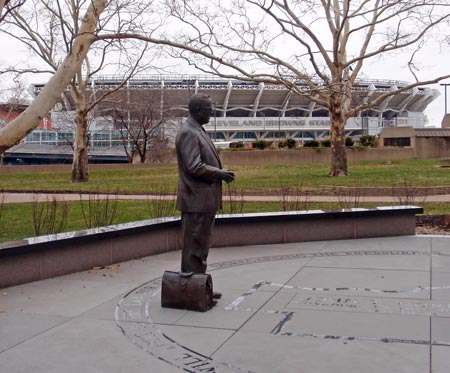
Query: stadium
x=246 y=111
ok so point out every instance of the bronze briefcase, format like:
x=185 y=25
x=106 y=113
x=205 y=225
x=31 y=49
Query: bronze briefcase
x=190 y=291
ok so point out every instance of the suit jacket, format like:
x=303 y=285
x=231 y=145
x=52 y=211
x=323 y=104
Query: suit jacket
x=199 y=170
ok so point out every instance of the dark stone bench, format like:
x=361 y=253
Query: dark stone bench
x=43 y=257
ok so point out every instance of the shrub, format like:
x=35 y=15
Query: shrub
x=233 y=200
x=49 y=217
x=237 y=145
x=368 y=140
x=161 y=202
x=261 y=144
x=311 y=144
x=349 y=141
x=100 y=209
x=289 y=143
x=326 y=143
x=2 y=205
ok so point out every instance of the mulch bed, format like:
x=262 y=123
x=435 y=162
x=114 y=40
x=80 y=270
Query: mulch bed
x=383 y=191
x=433 y=224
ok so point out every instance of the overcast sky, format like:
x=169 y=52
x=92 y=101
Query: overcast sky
x=434 y=62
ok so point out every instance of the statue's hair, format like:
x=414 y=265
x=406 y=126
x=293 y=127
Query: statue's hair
x=198 y=101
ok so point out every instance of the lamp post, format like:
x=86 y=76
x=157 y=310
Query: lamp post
x=445 y=94
x=215 y=122
x=161 y=108
x=279 y=127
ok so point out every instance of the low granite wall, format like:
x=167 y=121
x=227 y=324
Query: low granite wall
x=43 y=257
x=246 y=158
x=311 y=156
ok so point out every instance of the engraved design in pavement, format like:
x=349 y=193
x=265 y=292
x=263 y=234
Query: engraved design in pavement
x=134 y=319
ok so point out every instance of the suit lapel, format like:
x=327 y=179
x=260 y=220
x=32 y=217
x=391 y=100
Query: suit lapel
x=207 y=139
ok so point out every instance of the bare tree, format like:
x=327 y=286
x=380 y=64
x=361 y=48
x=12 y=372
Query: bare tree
x=85 y=101
x=316 y=48
x=51 y=94
x=47 y=28
x=144 y=121
x=10 y=5
x=2 y=5
x=14 y=101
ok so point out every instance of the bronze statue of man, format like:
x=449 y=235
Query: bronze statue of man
x=200 y=176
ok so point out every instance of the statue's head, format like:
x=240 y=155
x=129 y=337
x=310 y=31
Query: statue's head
x=200 y=107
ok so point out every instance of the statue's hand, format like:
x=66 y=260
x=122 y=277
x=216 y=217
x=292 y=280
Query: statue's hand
x=228 y=176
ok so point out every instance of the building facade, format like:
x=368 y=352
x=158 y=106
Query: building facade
x=246 y=111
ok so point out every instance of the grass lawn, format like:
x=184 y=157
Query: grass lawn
x=17 y=222
x=262 y=178
x=18 y=219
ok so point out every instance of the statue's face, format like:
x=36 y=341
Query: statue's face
x=204 y=112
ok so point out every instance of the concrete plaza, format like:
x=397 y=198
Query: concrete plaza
x=363 y=305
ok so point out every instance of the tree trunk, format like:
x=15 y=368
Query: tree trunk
x=143 y=151
x=138 y=156
x=2 y=4
x=80 y=170
x=338 y=151
x=25 y=123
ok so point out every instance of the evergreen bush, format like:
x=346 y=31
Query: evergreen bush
x=349 y=141
x=311 y=144
x=326 y=143
x=261 y=144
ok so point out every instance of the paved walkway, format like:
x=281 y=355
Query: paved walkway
x=42 y=197
x=372 y=305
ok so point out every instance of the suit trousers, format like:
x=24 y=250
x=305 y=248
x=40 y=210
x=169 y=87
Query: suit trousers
x=196 y=228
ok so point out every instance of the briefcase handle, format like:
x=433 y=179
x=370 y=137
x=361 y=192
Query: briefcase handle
x=184 y=278
x=186 y=274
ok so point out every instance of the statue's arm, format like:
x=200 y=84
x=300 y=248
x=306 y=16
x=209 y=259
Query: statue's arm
x=189 y=148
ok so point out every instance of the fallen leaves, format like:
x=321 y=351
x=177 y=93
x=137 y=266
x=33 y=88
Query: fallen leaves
x=113 y=267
